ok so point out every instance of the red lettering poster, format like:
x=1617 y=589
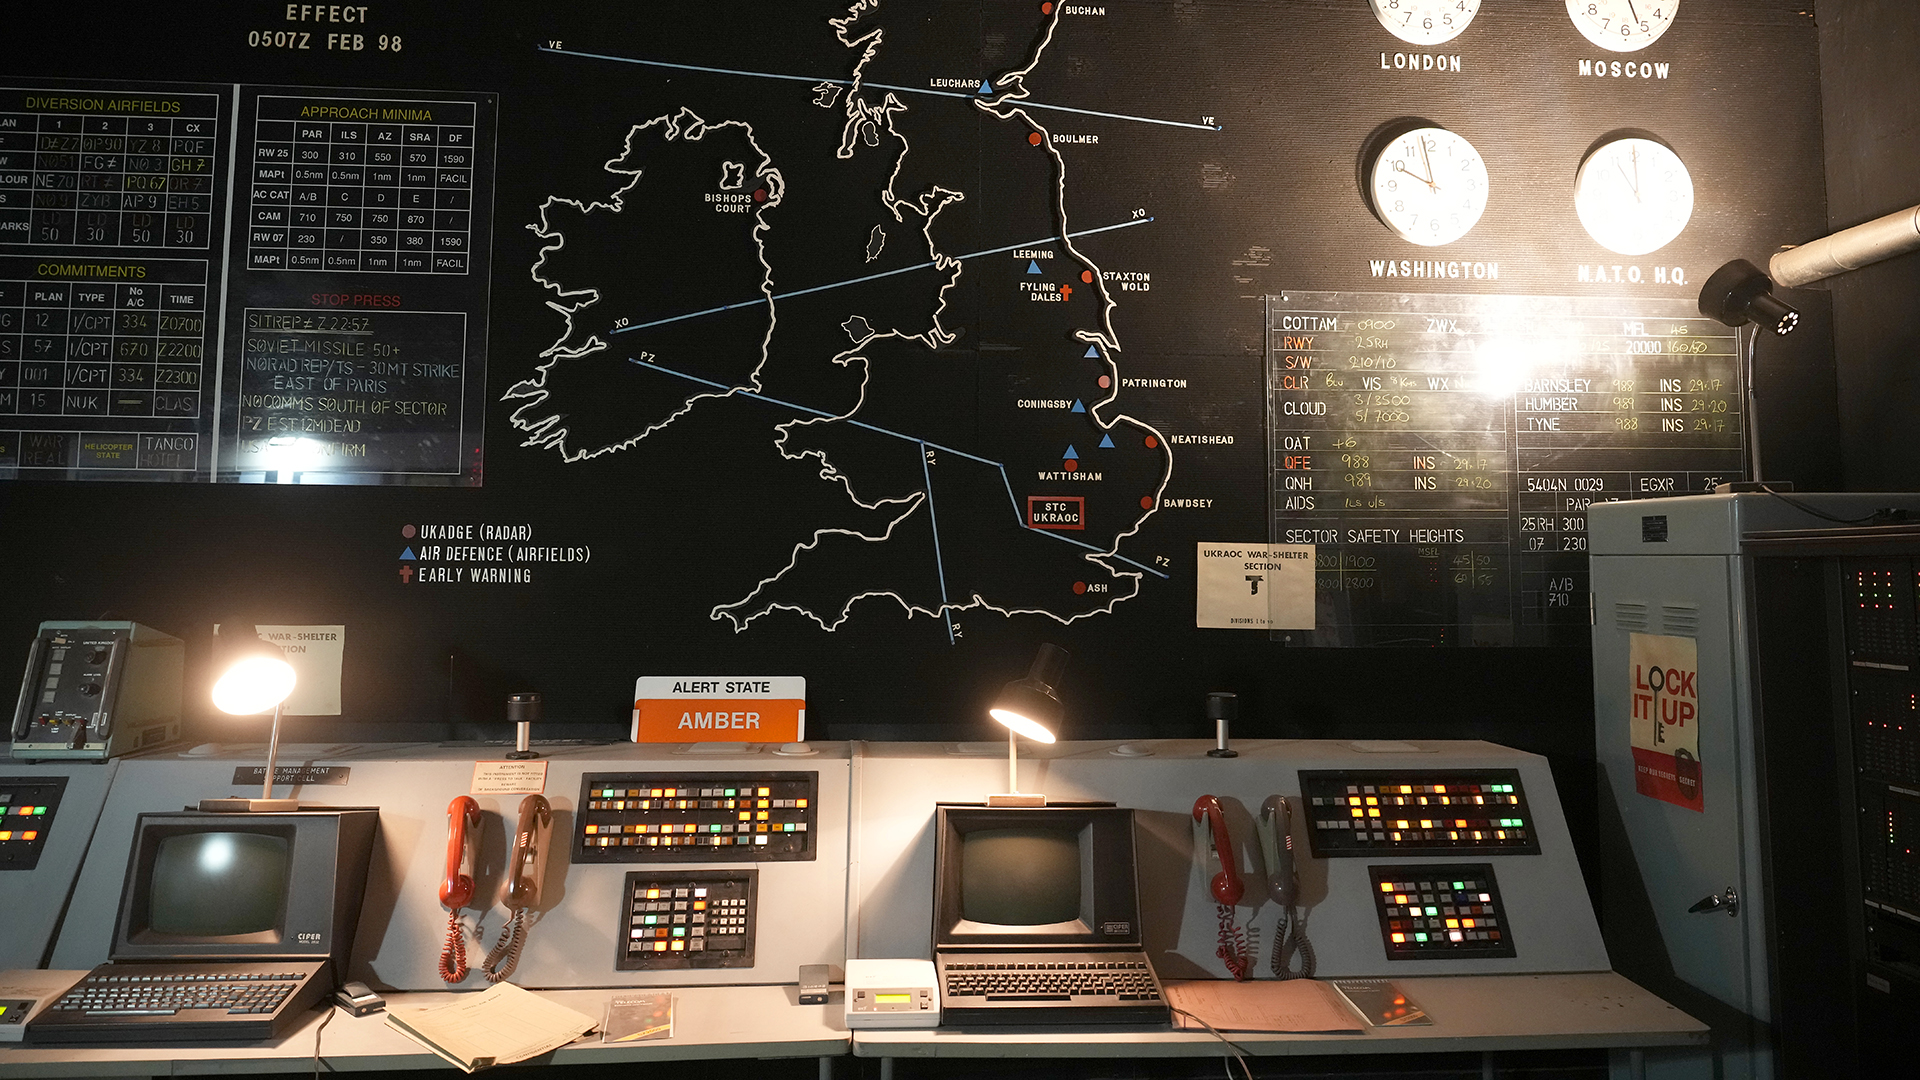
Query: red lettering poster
x=1664 y=720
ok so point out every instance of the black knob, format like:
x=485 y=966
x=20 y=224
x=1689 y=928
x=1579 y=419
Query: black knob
x=90 y=689
x=97 y=656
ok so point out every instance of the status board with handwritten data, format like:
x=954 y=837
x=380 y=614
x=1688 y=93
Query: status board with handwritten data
x=1439 y=452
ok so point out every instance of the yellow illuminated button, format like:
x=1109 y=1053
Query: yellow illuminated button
x=1387 y=886
x=765 y=791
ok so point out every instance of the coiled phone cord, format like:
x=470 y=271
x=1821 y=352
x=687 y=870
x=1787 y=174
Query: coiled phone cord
x=1290 y=939
x=506 y=952
x=1233 y=944
x=453 y=954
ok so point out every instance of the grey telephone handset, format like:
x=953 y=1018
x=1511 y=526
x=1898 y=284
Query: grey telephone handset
x=1275 y=830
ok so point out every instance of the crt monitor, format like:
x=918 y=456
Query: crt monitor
x=1048 y=875
x=212 y=886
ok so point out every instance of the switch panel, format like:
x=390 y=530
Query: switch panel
x=696 y=817
x=1352 y=814
x=1440 y=912
x=27 y=806
x=689 y=919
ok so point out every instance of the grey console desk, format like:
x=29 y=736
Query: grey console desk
x=862 y=886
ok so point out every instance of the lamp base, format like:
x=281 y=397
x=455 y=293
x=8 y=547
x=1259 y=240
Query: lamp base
x=249 y=806
x=1016 y=798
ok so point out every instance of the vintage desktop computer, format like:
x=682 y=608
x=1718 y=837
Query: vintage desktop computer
x=229 y=927
x=1037 y=918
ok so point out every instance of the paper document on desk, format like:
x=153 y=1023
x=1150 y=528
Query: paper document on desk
x=1292 y=1005
x=499 y=1027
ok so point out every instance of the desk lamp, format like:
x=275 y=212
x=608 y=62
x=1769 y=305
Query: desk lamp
x=1029 y=707
x=254 y=677
x=1738 y=292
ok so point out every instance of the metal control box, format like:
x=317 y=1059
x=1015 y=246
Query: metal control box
x=96 y=690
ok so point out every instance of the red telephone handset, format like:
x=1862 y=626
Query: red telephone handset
x=456 y=886
x=1225 y=886
x=463 y=843
x=1210 y=826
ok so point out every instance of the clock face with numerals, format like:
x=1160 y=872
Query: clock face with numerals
x=1425 y=22
x=1428 y=185
x=1633 y=195
x=1623 y=25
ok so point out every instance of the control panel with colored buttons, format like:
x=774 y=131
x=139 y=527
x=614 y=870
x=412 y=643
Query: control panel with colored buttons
x=690 y=919
x=696 y=817
x=27 y=806
x=1432 y=812
x=1440 y=912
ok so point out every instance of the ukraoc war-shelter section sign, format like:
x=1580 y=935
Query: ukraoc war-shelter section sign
x=1440 y=451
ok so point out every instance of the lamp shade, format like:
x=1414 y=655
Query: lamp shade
x=1031 y=706
x=254 y=675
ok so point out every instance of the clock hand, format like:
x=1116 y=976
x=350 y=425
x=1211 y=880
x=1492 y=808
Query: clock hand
x=1428 y=162
x=1402 y=167
x=1633 y=183
x=1630 y=11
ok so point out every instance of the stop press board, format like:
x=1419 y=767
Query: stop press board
x=860 y=883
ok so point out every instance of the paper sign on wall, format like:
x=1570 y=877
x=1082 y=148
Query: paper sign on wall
x=1254 y=587
x=1664 y=720
x=708 y=708
x=316 y=653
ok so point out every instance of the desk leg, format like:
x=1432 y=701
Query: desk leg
x=1487 y=1071
x=886 y=1068
x=826 y=1068
x=1636 y=1059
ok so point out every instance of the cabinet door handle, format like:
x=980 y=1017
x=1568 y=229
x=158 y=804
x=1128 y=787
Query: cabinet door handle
x=1728 y=902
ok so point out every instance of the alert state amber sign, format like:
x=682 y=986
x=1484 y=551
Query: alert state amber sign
x=719 y=708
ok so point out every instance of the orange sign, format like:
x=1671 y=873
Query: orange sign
x=683 y=709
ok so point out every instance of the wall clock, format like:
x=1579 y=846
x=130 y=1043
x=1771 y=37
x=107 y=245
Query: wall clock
x=1623 y=25
x=1425 y=22
x=1428 y=185
x=1634 y=195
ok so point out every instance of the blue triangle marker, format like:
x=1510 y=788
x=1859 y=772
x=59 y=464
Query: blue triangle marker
x=1106 y=442
x=1092 y=350
x=1071 y=453
x=1077 y=407
x=986 y=87
x=407 y=554
x=1033 y=267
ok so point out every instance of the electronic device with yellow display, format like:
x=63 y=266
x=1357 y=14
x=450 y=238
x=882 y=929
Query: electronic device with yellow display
x=1427 y=184
x=1633 y=194
x=892 y=994
x=1622 y=25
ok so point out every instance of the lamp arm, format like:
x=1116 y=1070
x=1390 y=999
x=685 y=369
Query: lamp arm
x=273 y=752
x=1848 y=249
x=1013 y=764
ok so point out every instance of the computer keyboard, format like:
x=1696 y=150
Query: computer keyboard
x=1049 y=988
x=181 y=1002
x=1122 y=980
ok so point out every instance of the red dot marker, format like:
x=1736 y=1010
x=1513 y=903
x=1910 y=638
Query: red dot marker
x=1146 y=502
x=1152 y=442
x=1046 y=9
x=1034 y=139
x=1105 y=382
x=1086 y=276
x=407 y=531
x=760 y=195
x=1070 y=464
x=1080 y=588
